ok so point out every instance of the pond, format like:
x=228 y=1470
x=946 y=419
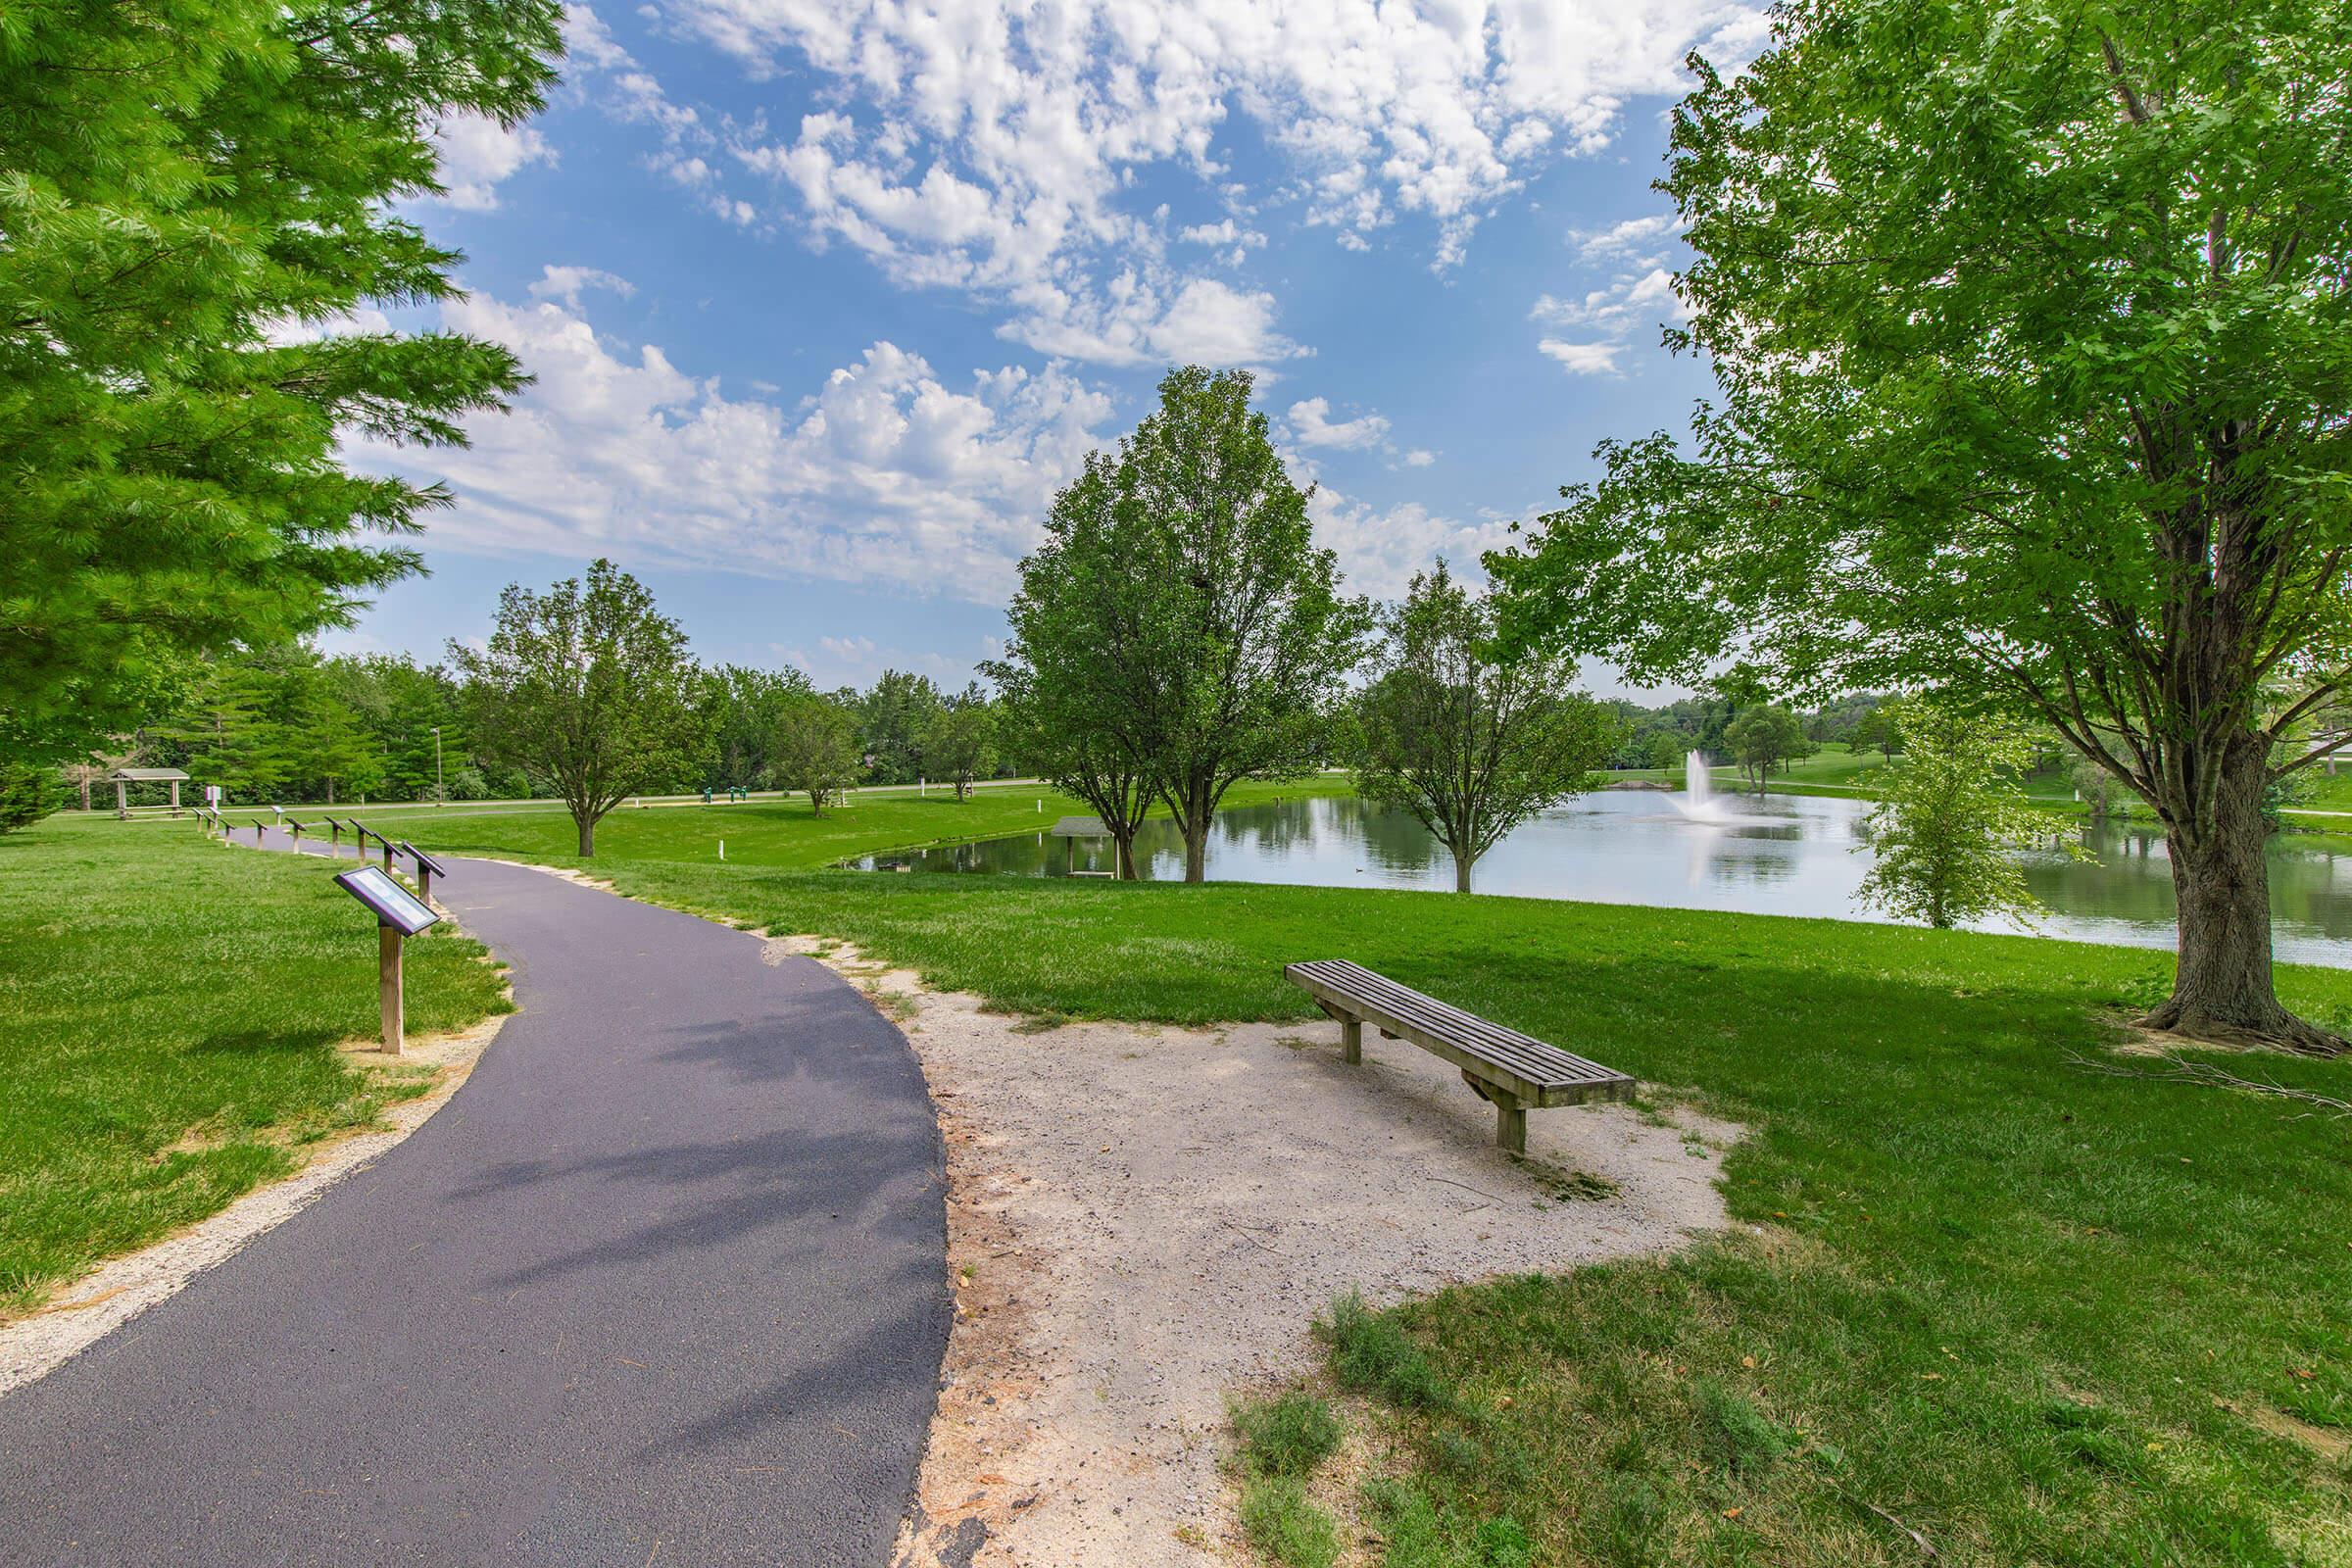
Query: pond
x=1778 y=854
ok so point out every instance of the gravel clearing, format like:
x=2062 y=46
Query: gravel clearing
x=1143 y=1221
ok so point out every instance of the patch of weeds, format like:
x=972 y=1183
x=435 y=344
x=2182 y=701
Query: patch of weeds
x=1039 y=1023
x=896 y=1006
x=1282 y=1523
x=1741 y=1437
x=1574 y=1186
x=1371 y=1354
x=1420 y=1534
x=1287 y=1436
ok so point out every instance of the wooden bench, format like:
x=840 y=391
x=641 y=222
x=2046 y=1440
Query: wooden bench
x=1512 y=1071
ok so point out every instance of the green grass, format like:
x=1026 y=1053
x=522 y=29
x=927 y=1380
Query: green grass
x=1288 y=1435
x=2037 y=1314
x=776 y=833
x=169 y=1012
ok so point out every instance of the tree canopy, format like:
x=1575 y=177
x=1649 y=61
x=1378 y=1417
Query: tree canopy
x=590 y=686
x=1470 y=741
x=1180 y=608
x=1945 y=830
x=190 y=193
x=2034 y=357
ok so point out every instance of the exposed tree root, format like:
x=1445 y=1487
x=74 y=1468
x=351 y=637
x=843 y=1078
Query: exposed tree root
x=2279 y=1030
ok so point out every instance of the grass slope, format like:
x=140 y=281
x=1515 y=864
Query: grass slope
x=756 y=833
x=168 y=1011
x=2034 y=1313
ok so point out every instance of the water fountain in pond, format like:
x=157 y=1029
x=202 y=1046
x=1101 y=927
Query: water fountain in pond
x=1699 y=802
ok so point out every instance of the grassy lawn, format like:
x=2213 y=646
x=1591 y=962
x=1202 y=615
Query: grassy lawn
x=764 y=832
x=168 y=1011
x=2036 y=1314
x=2033 y=1313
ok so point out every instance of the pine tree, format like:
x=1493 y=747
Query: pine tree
x=188 y=189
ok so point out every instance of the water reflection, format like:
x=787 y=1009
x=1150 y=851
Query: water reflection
x=1785 y=854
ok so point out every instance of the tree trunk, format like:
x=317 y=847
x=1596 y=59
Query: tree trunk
x=2221 y=985
x=1197 y=817
x=816 y=803
x=1461 y=872
x=587 y=834
x=331 y=792
x=1123 y=855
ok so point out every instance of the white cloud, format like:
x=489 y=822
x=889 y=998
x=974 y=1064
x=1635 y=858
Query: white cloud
x=566 y=284
x=1311 y=426
x=1608 y=318
x=1637 y=241
x=362 y=321
x=1132 y=321
x=1381 y=548
x=478 y=154
x=1419 y=458
x=1583 y=359
x=1224 y=232
x=883 y=473
x=990 y=146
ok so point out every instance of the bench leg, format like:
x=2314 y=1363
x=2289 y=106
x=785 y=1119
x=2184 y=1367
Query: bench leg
x=1351 y=1040
x=1510 y=1125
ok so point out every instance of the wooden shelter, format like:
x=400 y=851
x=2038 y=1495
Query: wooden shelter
x=124 y=777
x=1074 y=828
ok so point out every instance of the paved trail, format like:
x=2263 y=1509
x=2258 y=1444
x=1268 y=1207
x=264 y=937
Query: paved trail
x=664 y=1284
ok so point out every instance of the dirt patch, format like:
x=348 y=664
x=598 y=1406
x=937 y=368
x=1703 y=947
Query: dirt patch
x=1143 y=1221
x=78 y=1314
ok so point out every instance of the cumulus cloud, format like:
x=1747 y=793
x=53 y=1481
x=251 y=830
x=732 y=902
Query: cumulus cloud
x=886 y=472
x=1138 y=320
x=1583 y=359
x=478 y=154
x=566 y=284
x=1638 y=297
x=990 y=146
x=1381 y=548
x=1311 y=426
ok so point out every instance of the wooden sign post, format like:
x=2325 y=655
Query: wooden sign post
x=398 y=914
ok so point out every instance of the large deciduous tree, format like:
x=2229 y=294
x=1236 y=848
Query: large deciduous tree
x=1189 y=610
x=1470 y=740
x=2033 y=350
x=189 y=191
x=1229 y=620
x=588 y=685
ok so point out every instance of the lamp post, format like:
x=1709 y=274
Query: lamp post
x=440 y=791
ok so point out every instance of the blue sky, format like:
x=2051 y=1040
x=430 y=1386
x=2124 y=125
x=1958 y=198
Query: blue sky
x=826 y=297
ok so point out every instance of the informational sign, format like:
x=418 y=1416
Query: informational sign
x=394 y=905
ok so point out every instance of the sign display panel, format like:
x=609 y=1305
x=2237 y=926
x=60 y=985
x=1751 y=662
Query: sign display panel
x=394 y=905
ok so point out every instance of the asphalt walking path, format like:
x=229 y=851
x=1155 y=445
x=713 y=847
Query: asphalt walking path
x=664 y=1283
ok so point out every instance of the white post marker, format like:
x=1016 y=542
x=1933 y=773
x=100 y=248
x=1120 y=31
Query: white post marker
x=723 y=849
x=398 y=914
